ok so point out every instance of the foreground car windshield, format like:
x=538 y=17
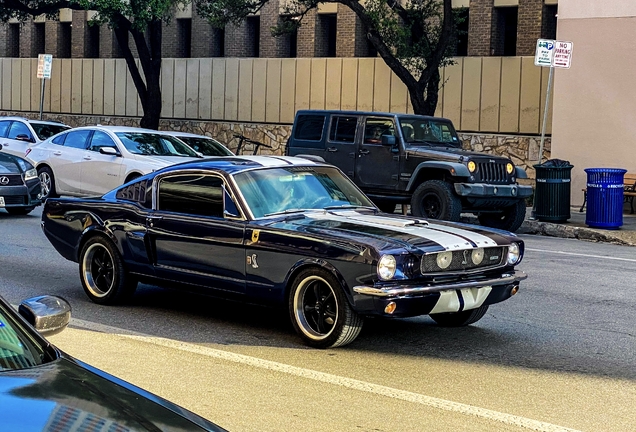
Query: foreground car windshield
x=208 y=147
x=17 y=350
x=278 y=190
x=154 y=144
x=44 y=131
x=428 y=131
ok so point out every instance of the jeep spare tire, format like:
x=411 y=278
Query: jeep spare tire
x=435 y=199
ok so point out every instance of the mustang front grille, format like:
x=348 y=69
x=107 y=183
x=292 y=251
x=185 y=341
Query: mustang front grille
x=463 y=260
x=490 y=172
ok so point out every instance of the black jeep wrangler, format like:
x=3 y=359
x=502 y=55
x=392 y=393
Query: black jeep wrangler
x=416 y=160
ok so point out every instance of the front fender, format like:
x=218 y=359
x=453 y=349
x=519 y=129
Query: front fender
x=455 y=169
x=315 y=262
x=520 y=173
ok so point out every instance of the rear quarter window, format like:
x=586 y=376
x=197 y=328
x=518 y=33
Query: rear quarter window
x=309 y=128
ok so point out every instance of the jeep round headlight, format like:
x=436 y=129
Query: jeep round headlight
x=477 y=256
x=509 y=168
x=386 y=267
x=30 y=174
x=472 y=166
x=444 y=259
x=514 y=253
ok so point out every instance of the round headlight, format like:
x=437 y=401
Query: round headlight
x=444 y=259
x=386 y=267
x=514 y=253
x=509 y=168
x=477 y=256
x=472 y=166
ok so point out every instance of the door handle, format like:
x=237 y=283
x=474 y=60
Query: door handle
x=57 y=153
x=88 y=158
x=332 y=149
x=364 y=151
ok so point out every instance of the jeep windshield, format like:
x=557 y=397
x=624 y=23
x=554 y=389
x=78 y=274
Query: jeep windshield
x=427 y=131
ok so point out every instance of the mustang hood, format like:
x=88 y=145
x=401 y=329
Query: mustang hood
x=64 y=395
x=387 y=232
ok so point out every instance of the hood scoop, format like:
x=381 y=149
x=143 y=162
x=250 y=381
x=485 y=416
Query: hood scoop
x=389 y=221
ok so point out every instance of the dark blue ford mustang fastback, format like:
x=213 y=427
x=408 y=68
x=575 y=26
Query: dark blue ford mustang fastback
x=282 y=230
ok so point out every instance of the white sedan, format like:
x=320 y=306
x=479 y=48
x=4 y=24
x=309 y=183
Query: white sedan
x=19 y=134
x=92 y=160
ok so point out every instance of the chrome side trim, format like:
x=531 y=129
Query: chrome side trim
x=405 y=290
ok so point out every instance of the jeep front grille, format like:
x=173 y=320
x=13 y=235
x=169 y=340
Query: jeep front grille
x=461 y=260
x=490 y=172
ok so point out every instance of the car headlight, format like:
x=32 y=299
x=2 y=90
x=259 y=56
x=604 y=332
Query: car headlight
x=509 y=168
x=444 y=259
x=472 y=166
x=30 y=174
x=386 y=267
x=477 y=256
x=514 y=253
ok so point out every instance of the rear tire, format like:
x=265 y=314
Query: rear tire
x=510 y=219
x=435 y=199
x=48 y=183
x=19 y=211
x=320 y=311
x=460 y=319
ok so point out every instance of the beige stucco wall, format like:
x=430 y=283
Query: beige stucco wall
x=594 y=111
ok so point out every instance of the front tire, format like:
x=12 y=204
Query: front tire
x=460 y=319
x=48 y=183
x=320 y=312
x=435 y=199
x=104 y=278
x=510 y=219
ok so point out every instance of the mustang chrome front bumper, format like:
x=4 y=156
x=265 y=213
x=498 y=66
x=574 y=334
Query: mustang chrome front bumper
x=409 y=290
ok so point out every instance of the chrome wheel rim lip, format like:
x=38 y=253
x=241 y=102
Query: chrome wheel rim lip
x=300 y=303
x=45 y=180
x=87 y=270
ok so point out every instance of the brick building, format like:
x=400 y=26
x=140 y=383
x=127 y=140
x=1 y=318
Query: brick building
x=491 y=28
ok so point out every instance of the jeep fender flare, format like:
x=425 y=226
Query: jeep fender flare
x=455 y=169
x=520 y=173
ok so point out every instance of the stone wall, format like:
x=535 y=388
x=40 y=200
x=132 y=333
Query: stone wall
x=522 y=149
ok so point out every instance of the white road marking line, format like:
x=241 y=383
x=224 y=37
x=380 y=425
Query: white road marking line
x=582 y=255
x=327 y=378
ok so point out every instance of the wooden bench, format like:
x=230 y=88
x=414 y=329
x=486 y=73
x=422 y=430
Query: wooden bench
x=629 y=191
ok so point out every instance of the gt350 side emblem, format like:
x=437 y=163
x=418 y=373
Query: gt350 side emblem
x=251 y=260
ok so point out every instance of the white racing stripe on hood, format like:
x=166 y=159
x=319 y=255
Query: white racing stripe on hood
x=449 y=241
x=479 y=239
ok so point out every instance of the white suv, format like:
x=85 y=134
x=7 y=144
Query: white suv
x=18 y=134
x=92 y=160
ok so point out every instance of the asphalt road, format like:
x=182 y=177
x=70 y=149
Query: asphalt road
x=560 y=354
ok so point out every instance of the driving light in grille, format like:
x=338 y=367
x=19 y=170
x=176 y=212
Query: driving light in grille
x=477 y=256
x=444 y=259
x=386 y=267
x=514 y=253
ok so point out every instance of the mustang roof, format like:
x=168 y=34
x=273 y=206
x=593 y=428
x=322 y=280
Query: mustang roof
x=236 y=164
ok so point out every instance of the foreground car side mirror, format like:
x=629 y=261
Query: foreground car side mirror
x=388 y=140
x=111 y=151
x=24 y=137
x=48 y=314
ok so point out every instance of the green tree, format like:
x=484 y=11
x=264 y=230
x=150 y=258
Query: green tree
x=139 y=19
x=414 y=38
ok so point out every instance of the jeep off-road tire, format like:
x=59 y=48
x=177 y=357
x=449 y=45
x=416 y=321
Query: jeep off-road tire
x=435 y=199
x=510 y=219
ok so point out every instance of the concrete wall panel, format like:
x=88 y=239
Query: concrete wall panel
x=381 y=86
x=179 y=97
x=453 y=92
x=87 y=86
x=303 y=83
x=259 y=89
x=509 y=97
x=318 y=83
x=530 y=97
x=192 y=88
x=76 y=85
x=349 y=99
x=121 y=77
x=167 y=87
x=366 y=76
x=218 y=88
x=231 y=88
x=490 y=89
x=273 y=91
x=246 y=78
x=471 y=94
x=334 y=83
x=205 y=88
x=288 y=90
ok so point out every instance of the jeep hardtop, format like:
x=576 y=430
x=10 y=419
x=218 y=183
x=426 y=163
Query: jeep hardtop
x=416 y=160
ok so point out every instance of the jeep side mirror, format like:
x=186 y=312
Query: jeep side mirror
x=24 y=137
x=388 y=140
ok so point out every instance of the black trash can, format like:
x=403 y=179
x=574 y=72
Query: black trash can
x=605 y=197
x=552 y=191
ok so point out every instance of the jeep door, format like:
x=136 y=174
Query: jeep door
x=340 y=149
x=377 y=164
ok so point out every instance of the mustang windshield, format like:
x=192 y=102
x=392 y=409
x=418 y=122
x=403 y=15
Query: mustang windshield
x=419 y=130
x=154 y=144
x=279 y=190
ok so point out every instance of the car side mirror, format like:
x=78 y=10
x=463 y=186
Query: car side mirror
x=48 y=314
x=388 y=140
x=25 y=137
x=111 y=151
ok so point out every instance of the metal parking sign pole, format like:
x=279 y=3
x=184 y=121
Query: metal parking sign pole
x=45 y=63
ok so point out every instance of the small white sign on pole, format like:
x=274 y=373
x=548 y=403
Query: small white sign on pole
x=45 y=64
x=562 y=54
x=544 y=52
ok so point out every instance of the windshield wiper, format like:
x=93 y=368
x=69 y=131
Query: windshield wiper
x=349 y=206
x=288 y=211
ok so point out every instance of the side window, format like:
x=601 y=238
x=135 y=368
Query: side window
x=194 y=194
x=374 y=128
x=4 y=127
x=101 y=139
x=77 y=139
x=343 y=129
x=59 y=140
x=18 y=128
x=309 y=127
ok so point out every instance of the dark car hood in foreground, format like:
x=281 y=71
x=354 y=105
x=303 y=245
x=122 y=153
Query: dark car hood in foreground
x=384 y=232
x=70 y=395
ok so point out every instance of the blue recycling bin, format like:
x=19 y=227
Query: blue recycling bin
x=604 y=197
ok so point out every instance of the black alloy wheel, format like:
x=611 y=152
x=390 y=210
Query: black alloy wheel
x=320 y=311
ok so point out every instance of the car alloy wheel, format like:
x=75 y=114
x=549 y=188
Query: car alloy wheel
x=98 y=270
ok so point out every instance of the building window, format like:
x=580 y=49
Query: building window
x=184 y=37
x=253 y=24
x=461 y=49
x=326 y=35
x=91 y=46
x=38 y=39
x=293 y=44
x=504 y=41
x=549 y=27
x=218 y=42
x=13 y=45
x=65 y=40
